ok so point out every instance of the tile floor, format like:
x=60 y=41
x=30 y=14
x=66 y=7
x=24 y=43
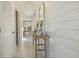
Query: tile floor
x=26 y=49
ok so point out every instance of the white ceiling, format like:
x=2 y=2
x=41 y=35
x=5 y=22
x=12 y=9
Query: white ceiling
x=26 y=8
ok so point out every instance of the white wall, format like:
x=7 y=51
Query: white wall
x=8 y=42
x=21 y=30
x=62 y=24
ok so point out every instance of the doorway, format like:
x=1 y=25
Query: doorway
x=24 y=48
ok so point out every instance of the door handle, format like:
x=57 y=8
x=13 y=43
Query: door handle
x=13 y=32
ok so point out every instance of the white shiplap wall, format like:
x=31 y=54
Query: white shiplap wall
x=62 y=24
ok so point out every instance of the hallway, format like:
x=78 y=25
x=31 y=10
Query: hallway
x=42 y=29
x=26 y=49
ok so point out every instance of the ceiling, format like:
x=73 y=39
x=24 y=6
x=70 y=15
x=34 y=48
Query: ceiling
x=26 y=8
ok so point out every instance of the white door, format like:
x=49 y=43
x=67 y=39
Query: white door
x=0 y=26
x=8 y=36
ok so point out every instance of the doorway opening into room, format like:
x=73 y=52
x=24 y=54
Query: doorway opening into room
x=24 y=48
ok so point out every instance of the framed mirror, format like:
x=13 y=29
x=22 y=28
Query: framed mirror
x=39 y=18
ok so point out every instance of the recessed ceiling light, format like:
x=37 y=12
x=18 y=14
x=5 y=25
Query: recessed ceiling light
x=47 y=4
x=28 y=5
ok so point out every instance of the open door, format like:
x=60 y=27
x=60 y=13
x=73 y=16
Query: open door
x=8 y=32
x=16 y=27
